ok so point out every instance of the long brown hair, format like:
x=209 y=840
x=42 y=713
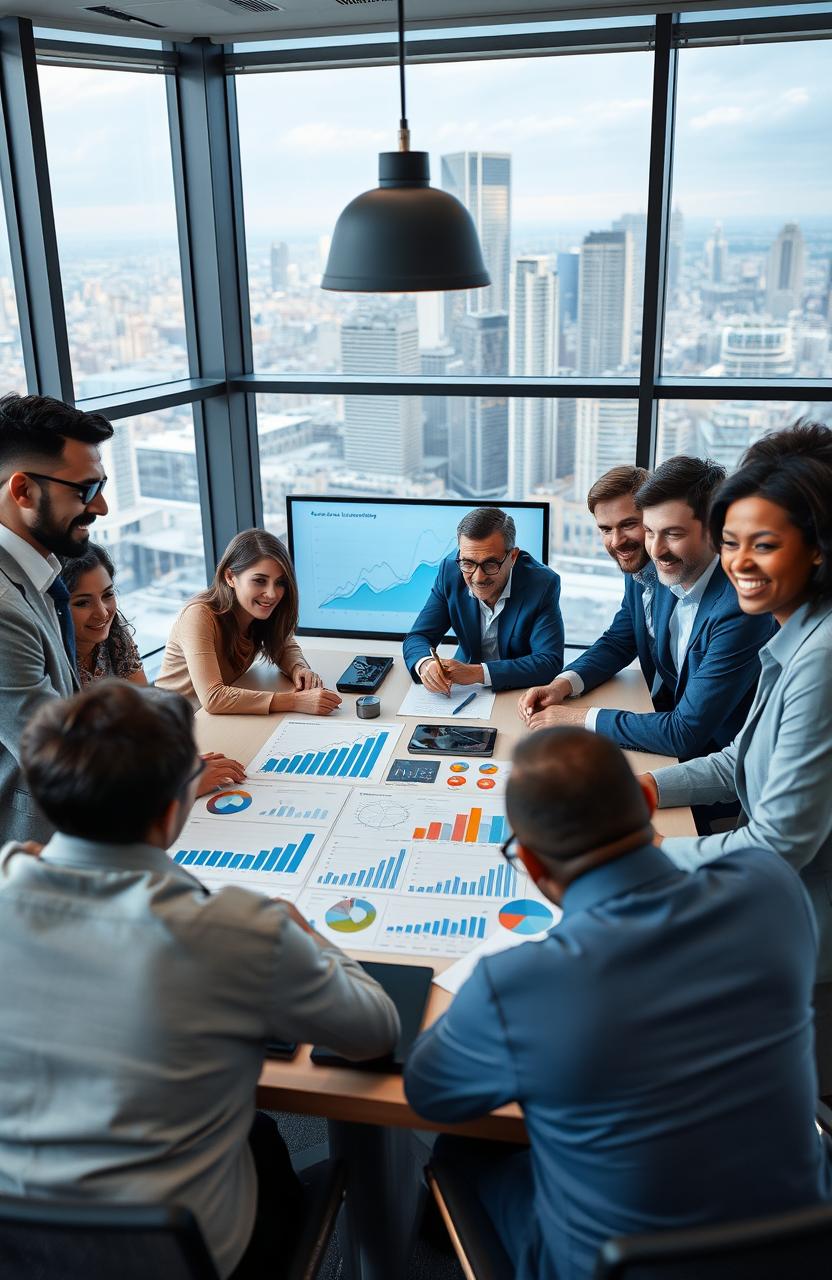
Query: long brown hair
x=270 y=635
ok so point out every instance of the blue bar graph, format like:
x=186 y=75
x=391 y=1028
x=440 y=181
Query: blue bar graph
x=383 y=875
x=501 y=882
x=356 y=761
x=467 y=927
x=290 y=811
x=287 y=858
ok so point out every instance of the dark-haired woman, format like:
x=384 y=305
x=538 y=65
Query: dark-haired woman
x=249 y=611
x=772 y=520
x=103 y=638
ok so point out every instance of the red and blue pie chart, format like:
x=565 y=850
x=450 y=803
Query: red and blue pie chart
x=226 y=803
x=525 y=915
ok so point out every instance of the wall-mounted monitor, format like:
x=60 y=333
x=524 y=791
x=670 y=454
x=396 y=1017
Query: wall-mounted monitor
x=365 y=567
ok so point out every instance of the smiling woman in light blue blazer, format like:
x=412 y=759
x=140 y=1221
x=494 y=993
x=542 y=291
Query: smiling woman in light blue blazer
x=772 y=520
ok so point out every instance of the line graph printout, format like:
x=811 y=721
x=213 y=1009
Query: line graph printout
x=257 y=856
x=473 y=820
x=267 y=801
x=369 y=566
x=331 y=751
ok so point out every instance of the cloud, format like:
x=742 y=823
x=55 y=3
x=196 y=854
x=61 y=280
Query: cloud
x=322 y=136
x=758 y=108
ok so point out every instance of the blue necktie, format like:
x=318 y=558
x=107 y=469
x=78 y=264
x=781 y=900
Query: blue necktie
x=60 y=595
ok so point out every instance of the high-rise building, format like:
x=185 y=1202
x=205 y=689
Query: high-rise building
x=636 y=224
x=784 y=283
x=481 y=180
x=716 y=256
x=568 y=268
x=280 y=267
x=382 y=433
x=605 y=302
x=675 y=250
x=479 y=439
x=439 y=411
x=605 y=438
x=727 y=429
x=533 y=336
x=755 y=350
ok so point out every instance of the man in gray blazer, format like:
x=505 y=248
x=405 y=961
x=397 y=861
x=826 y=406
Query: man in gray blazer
x=51 y=479
x=136 y=1007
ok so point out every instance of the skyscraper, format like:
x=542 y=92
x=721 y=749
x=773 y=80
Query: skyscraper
x=482 y=181
x=784 y=283
x=636 y=224
x=605 y=438
x=280 y=267
x=605 y=302
x=716 y=256
x=534 y=353
x=675 y=250
x=479 y=438
x=382 y=433
x=568 y=268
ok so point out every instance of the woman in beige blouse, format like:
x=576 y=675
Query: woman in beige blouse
x=250 y=609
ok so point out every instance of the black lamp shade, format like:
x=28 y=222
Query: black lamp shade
x=405 y=236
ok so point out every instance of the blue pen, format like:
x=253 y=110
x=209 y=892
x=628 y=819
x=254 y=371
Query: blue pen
x=464 y=703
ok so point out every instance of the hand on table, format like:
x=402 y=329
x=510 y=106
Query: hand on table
x=315 y=702
x=542 y=696
x=551 y=717
x=305 y=678
x=464 y=672
x=219 y=771
x=433 y=679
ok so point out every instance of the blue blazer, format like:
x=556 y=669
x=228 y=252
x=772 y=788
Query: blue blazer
x=644 y=1039
x=625 y=638
x=703 y=707
x=529 y=630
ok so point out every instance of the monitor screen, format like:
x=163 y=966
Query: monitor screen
x=365 y=567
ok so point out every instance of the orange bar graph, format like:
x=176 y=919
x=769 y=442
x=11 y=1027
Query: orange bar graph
x=458 y=832
x=434 y=830
x=473 y=828
x=419 y=833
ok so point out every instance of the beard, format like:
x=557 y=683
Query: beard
x=63 y=541
x=636 y=565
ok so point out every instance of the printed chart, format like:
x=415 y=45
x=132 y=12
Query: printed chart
x=423 y=816
x=467 y=776
x=267 y=801
x=252 y=855
x=314 y=750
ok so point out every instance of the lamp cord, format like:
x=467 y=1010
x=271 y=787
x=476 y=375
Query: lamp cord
x=404 y=133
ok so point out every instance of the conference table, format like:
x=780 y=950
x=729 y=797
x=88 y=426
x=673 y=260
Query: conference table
x=368 y=1115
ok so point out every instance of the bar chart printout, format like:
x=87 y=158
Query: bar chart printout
x=344 y=753
x=431 y=927
x=254 y=857
x=461 y=877
x=274 y=802
x=468 y=827
x=343 y=866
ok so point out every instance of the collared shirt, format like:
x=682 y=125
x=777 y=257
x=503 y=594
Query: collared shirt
x=688 y=600
x=489 y=625
x=135 y=1008
x=40 y=570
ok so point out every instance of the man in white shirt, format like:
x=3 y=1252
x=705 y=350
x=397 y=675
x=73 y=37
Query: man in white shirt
x=705 y=649
x=51 y=480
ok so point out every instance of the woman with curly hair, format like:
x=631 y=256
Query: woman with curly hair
x=103 y=638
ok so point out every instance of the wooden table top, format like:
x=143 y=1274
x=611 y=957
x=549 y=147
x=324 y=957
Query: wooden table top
x=338 y=1093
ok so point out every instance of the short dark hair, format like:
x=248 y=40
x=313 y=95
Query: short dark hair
x=571 y=791
x=482 y=522
x=690 y=480
x=793 y=469
x=105 y=764
x=39 y=426
x=618 y=482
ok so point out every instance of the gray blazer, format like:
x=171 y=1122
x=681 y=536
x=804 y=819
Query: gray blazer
x=780 y=767
x=33 y=666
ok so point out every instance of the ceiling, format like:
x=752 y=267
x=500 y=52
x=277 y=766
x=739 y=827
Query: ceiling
x=237 y=20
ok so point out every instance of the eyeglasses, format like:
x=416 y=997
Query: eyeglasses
x=192 y=777
x=489 y=567
x=510 y=851
x=86 y=492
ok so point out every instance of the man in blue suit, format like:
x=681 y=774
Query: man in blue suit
x=503 y=606
x=704 y=649
x=658 y=1040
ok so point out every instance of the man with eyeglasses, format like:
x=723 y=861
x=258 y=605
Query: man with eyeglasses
x=136 y=1007
x=51 y=482
x=658 y=1039
x=502 y=605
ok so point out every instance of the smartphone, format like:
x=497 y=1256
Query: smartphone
x=452 y=740
x=364 y=674
x=284 y=1049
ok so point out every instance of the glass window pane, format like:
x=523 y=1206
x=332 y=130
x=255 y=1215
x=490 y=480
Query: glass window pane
x=154 y=527
x=12 y=373
x=95 y=37
x=112 y=186
x=359 y=446
x=723 y=429
x=549 y=154
x=750 y=263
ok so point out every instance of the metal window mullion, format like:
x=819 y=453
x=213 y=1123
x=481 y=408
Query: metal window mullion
x=24 y=174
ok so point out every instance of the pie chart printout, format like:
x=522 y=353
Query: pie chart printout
x=226 y=803
x=525 y=915
x=351 y=915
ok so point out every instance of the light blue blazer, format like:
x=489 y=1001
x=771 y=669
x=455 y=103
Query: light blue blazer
x=780 y=767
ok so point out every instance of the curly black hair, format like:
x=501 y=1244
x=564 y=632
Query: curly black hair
x=74 y=569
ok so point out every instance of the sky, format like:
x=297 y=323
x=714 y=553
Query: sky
x=752 y=138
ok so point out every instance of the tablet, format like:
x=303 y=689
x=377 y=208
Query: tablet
x=452 y=740
x=408 y=986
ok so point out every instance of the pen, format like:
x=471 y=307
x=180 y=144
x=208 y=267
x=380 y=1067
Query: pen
x=439 y=661
x=464 y=703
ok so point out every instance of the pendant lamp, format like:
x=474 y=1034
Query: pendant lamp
x=405 y=236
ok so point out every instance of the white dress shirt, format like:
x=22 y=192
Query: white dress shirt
x=40 y=570
x=489 y=624
x=688 y=600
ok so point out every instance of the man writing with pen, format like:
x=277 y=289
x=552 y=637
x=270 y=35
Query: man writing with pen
x=501 y=603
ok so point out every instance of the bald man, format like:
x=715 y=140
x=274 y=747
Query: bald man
x=640 y=1037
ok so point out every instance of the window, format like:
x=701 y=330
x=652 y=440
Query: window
x=112 y=186
x=154 y=527
x=723 y=429
x=750 y=261
x=12 y=373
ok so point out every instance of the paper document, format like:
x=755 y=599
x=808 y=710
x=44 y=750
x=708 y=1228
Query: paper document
x=421 y=702
x=454 y=977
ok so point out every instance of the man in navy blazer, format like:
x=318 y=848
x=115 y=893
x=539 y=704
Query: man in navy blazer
x=658 y=1040
x=503 y=606
x=704 y=650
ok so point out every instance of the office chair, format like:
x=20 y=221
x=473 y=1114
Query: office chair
x=776 y=1248
x=65 y=1240
x=477 y=1246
